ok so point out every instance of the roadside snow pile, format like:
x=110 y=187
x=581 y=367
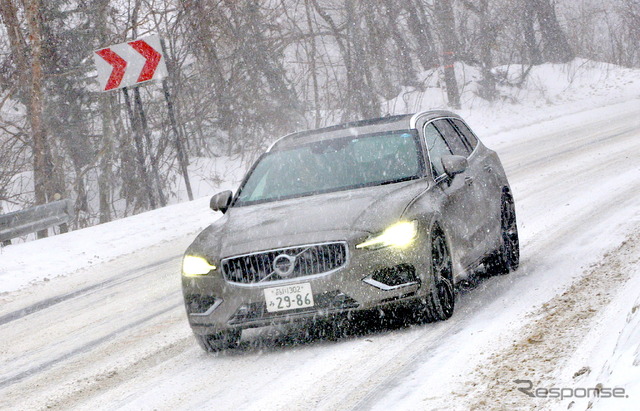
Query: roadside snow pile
x=580 y=80
x=609 y=357
x=623 y=368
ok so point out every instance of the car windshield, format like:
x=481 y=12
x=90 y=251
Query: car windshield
x=333 y=165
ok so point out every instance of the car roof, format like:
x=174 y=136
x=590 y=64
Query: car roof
x=355 y=128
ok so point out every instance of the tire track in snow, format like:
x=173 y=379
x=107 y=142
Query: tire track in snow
x=112 y=282
x=82 y=349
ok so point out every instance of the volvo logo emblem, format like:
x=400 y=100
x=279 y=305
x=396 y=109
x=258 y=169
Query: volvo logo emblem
x=283 y=265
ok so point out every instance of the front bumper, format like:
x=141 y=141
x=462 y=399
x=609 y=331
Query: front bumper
x=370 y=278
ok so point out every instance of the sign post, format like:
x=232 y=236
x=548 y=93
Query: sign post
x=182 y=158
x=139 y=149
x=131 y=64
x=182 y=155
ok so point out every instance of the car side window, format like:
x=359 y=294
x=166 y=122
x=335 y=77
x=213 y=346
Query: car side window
x=437 y=148
x=453 y=139
x=471 y=138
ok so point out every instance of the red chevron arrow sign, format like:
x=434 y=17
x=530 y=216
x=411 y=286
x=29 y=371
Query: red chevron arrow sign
x=131 y=63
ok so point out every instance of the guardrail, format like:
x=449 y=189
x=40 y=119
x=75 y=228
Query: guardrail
x=38 y=218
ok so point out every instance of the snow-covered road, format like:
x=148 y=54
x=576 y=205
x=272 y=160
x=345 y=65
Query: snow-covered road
x=116 y=335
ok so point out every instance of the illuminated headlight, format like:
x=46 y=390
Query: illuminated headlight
x=399 y=235
x=192 y=265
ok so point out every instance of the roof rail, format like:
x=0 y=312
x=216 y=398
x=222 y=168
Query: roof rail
x=278 y=140
x=358 y=123
x=414 y=119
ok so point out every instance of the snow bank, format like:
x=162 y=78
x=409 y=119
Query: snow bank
x=21 y=264
x=610 y=355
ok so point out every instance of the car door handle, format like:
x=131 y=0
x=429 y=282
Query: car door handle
x=468 y=180
x=488 y=168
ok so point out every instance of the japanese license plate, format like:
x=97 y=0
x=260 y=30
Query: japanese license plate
x=288 y=297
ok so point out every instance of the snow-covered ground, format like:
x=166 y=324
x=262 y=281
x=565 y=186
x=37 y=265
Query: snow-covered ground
x=107 y=330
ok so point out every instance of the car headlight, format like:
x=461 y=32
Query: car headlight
x=399 y=235
x=192 y=266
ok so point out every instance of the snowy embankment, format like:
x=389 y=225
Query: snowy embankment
x=610 y=354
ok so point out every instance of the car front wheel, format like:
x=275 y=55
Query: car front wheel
x=440 y=301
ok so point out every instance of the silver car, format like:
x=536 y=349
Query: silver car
x=362 y=215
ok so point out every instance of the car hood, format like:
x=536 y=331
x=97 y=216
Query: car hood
x=325 y=217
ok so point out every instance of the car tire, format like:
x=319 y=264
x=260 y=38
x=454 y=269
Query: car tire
x=507 y=257
x=220 y=341
x=440 y=301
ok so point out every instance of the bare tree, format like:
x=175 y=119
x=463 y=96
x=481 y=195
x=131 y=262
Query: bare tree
x=556 y=48
x=419 y=24
x=447 y=31
x=630 y=15
x=528 y=16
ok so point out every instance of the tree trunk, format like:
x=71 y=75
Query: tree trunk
x=29 y=69
x=489 y=30
x=19 y=48
x=313 y=67
x=408 y=77
x=105 y=155
x=556 y=46
x=199 y=24
x=531 y=43
x=35 y=111
x=421 y=31
x=374 y=38
x=366 y=99
x=447 y=31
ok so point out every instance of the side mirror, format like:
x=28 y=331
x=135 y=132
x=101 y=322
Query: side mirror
x=221 y=201
x=454 y=165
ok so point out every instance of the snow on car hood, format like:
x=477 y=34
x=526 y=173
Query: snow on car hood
x=325 y=217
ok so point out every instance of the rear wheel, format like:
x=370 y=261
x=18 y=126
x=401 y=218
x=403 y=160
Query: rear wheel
x=507 y=257
x=219 y=341
x=440 y=301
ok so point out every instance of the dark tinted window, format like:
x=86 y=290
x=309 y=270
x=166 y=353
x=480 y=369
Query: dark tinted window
x=437 y=148
x=453 y=139
x=472 y=140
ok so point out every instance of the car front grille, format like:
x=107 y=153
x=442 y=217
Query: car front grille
x=305 y=260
